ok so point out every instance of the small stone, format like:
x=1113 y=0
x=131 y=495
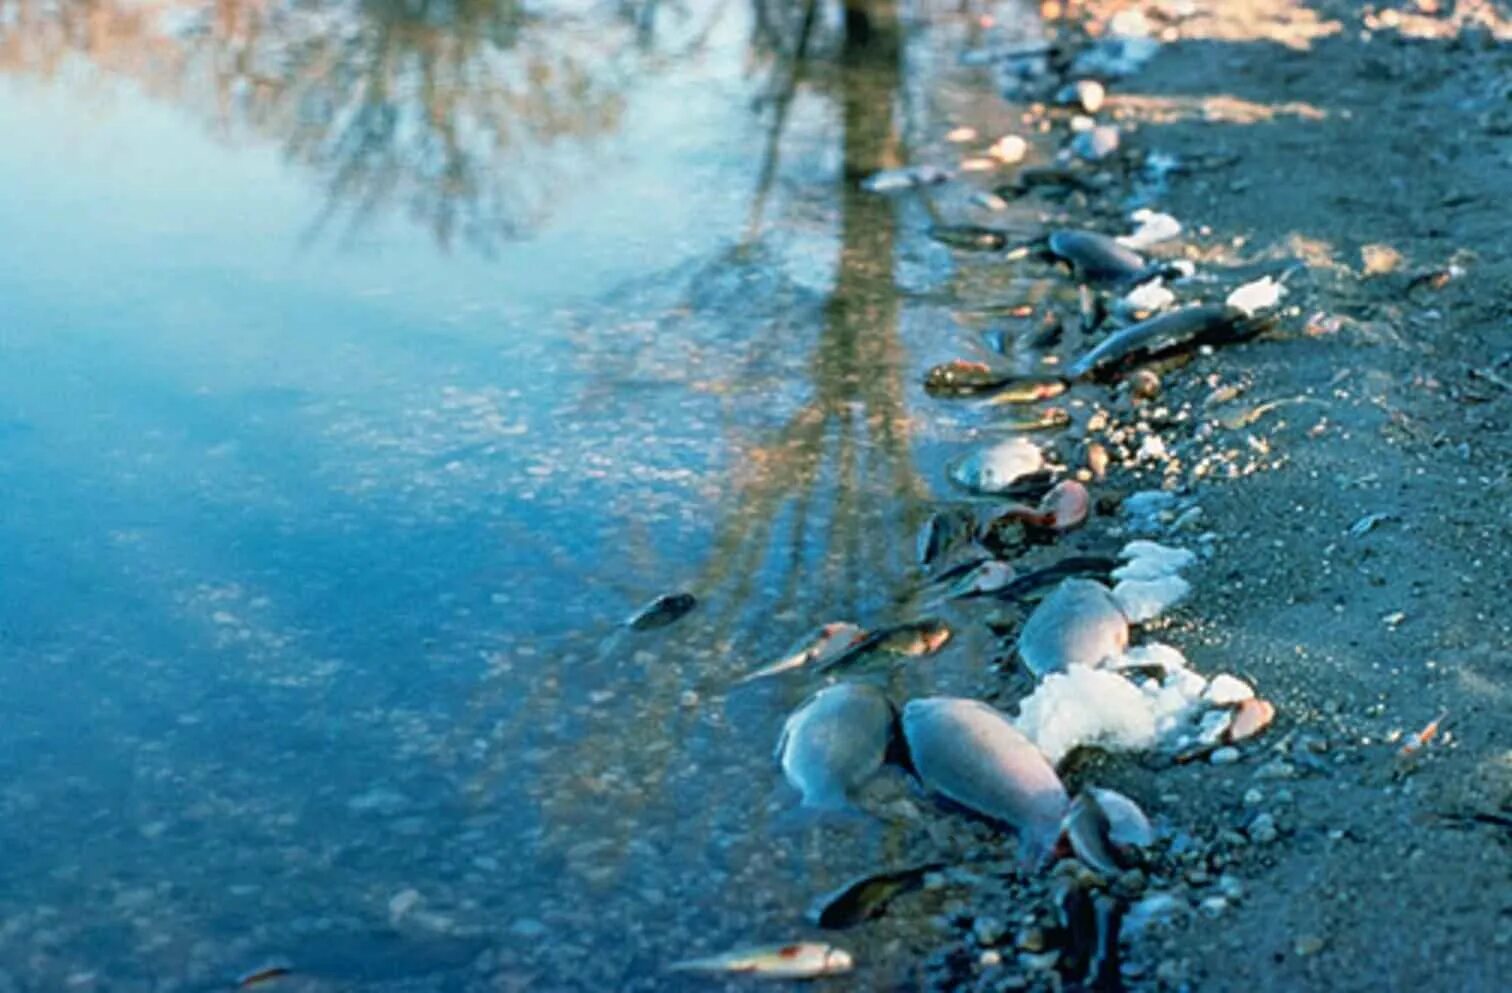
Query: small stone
x=688 y=700
x=1253 y=797
x=1309 y=944
x=1213 y=906
x=1231 y=887
x=528 y=928
x=987 y=930
x=401 y=903
x=1262 y=830
x=990 y=958
x=1009 y=149
x=1227 y=755
x=1276 y=769
x=1031 y=940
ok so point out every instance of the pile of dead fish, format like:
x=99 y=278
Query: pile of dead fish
x=1078 y=625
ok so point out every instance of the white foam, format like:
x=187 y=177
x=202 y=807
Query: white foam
x=1144 y=600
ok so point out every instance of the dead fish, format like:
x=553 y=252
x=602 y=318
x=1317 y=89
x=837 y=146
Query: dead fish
x=817 y=647
x=1093 y=566
x=1105 y=974
x=1177 y=330
x=1065 y=507
x=971 y=754
x=1097 y=258
x=1047 y=419
x=942 y=532
x=1024 y=389
x=997 y=468
x=987 y=577
x=835 y=742
x=961 y=377
x=665 y=609
x=970 y=237
x=867 y=897
x=1038 y=177
x=1086 y=828
x=910 y=640
x=800 y=960
x=253 y=978
x=1128 y=826
x=1079 y=623
x=896 y=180
x=1235 y=420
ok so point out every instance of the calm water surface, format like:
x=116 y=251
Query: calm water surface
x=362 y=364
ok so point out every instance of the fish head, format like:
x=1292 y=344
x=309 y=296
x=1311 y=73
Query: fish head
x=838 y=960
x=934 y=634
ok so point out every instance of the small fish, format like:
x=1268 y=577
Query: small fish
x=867 y=897
x=816 y=647
x=999 y=467
x=1048 y=419
x=1096 y=258
x=834 y=742
x=665 y=609
x=1092 y=566
x=800 y=960
x=961 y=377
x=1169 y=333
x=970 y=237
x=1065 y=507
x=896 y=180
x=1024 y=389
x=942 y=532
x=262 y=974
x=987 y=577
x=1423 y=737
x=912 y=640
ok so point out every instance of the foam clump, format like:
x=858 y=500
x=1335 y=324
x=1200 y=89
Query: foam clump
x=1103 y=708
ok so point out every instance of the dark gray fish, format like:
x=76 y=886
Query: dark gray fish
x=962 y=377
x=971 y=754
x=1166 y=334
x=1097 y=258
x=665 y=609
x=835 y=742
x=867 y=897
x=1079 y=623
x=1092 y=566
x=970 y=237
x=909 y=640
x=944 y=530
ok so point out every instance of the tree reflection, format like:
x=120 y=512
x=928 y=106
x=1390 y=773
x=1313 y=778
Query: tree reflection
x=818 y=513
x=459 y=111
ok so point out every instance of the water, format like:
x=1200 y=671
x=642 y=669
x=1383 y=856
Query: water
x=363 y=363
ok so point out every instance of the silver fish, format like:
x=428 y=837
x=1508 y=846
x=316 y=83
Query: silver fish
x=972 y=754
x=987 y=577
x=799 y=960
x=835 y=742
x=820 y=645
x=1079 y=623
x=996 y=468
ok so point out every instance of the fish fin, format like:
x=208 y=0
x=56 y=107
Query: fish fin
x=833 y=813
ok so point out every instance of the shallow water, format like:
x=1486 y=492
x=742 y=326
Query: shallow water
x=362 y=366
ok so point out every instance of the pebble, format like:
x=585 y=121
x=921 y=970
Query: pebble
x=1262 y=830
x=990 y=958
x=1309 y=944
x=1096 y=144
x=528 y=927
x=402 y=903
x=1253 y=797
x=1213 y=906
x=1009 y=149
x=689 y=699
x=987 y=930
x=1227 y=755
x=1276 y=769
